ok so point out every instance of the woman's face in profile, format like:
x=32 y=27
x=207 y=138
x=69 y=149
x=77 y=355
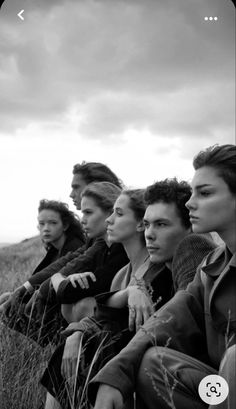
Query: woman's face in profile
x=122 y=224
x=50 y=226
x=94 y=218
x=212 y=205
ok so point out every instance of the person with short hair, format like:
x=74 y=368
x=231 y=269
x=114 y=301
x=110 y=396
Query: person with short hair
x=194 y=334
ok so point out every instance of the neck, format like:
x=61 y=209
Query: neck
x=136 y=252
x=229 y=239
x=169 y=264
x=60 y=242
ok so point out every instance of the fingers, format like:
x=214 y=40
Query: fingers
x=132 y=314
x=82 y=279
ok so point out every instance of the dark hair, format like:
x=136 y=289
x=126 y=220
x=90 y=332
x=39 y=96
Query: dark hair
x=96 y=172
x=104 y=194
x=136 y=201
x=171 y=191
x=67 y=217
x=223 y=159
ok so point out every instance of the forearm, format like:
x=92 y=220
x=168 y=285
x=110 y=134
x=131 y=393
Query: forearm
x=56 y=280
x=38 y=278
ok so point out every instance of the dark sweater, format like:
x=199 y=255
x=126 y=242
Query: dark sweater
x=72 y=243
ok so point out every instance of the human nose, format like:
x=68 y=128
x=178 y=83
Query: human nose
x=191 y=203
x=72 y=195
x=149 y=233
x=110 y=219
x=83 y=220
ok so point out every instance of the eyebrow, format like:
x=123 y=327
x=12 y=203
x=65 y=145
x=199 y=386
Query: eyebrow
x=156 y=220
x=203 y=185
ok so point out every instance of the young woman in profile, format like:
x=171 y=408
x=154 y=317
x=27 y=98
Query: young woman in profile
x=125 y=226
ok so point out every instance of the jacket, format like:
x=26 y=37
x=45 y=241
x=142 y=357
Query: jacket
x=72 y=243
x=199 y=321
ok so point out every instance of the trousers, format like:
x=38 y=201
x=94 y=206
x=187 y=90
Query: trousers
x=169 y=379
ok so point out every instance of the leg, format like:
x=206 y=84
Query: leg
x=76 y=311
x=51 y=402
x=228 y=372
x=169 y=379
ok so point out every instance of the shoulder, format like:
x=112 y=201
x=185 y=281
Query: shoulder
x=198 y=240
x=72 y=243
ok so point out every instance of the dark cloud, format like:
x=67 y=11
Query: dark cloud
x=126 y=64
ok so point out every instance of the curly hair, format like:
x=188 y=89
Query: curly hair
x=103 y=193
x=170 y=191
x=223 y=159
x=96 y=172
x=68 y=218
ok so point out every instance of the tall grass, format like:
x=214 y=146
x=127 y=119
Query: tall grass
x=22 y=361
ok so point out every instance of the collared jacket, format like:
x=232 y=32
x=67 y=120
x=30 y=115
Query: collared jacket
x=199 y=321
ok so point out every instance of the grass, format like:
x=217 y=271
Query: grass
x=22 y=361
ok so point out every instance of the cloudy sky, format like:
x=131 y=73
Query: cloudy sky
x=141 y=85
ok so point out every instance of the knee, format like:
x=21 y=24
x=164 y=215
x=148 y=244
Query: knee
x=75 y=312
x=66 y=311
x=153 y=356
x=229 y=359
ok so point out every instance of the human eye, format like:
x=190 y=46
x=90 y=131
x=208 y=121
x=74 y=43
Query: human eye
x=161 y=224
x=204 y=193
x=87 y=212
x=146 y=224
x=118 y=212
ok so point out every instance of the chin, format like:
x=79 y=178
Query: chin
x=154 y=259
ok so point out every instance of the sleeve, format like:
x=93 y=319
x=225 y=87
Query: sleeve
x=183 y=314
x=117 y=258
x=54 y=268
x=187 y=258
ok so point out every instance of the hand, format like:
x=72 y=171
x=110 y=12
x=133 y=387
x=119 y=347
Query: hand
x=140 y=307
x=70 y=357
x=108 y=398
x=82 y=279
x=71 y=329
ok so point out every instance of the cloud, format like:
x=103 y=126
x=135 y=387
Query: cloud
x=123 y=64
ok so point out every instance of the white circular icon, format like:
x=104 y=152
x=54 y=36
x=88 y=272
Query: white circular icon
x=213 y=389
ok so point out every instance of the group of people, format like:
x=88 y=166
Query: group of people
x=137 y=297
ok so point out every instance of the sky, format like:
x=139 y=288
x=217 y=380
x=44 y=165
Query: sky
x=140 y=85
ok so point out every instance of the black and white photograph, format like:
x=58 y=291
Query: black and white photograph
x=117 y=213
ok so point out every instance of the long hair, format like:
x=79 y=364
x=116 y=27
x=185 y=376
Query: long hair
x=68 y=218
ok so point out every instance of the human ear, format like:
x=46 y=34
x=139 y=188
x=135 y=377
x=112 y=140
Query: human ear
x=140 y=226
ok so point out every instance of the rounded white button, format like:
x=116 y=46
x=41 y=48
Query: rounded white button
x=213 y=389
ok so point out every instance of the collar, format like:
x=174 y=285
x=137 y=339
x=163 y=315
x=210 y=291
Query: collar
x=217 y=260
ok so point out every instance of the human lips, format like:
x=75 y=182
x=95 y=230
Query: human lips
x=152 y=249
x=193 y=218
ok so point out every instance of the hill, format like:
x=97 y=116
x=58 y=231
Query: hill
x=21 y=360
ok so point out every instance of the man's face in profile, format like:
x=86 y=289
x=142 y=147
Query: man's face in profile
x=77 y=185
x=163 y=231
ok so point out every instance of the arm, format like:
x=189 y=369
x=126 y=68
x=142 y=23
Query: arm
x=165 y=326
x=103 y=273
x=189 y=254
x=38 y=278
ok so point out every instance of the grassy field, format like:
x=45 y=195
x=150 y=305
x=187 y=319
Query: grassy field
x=22 y=361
